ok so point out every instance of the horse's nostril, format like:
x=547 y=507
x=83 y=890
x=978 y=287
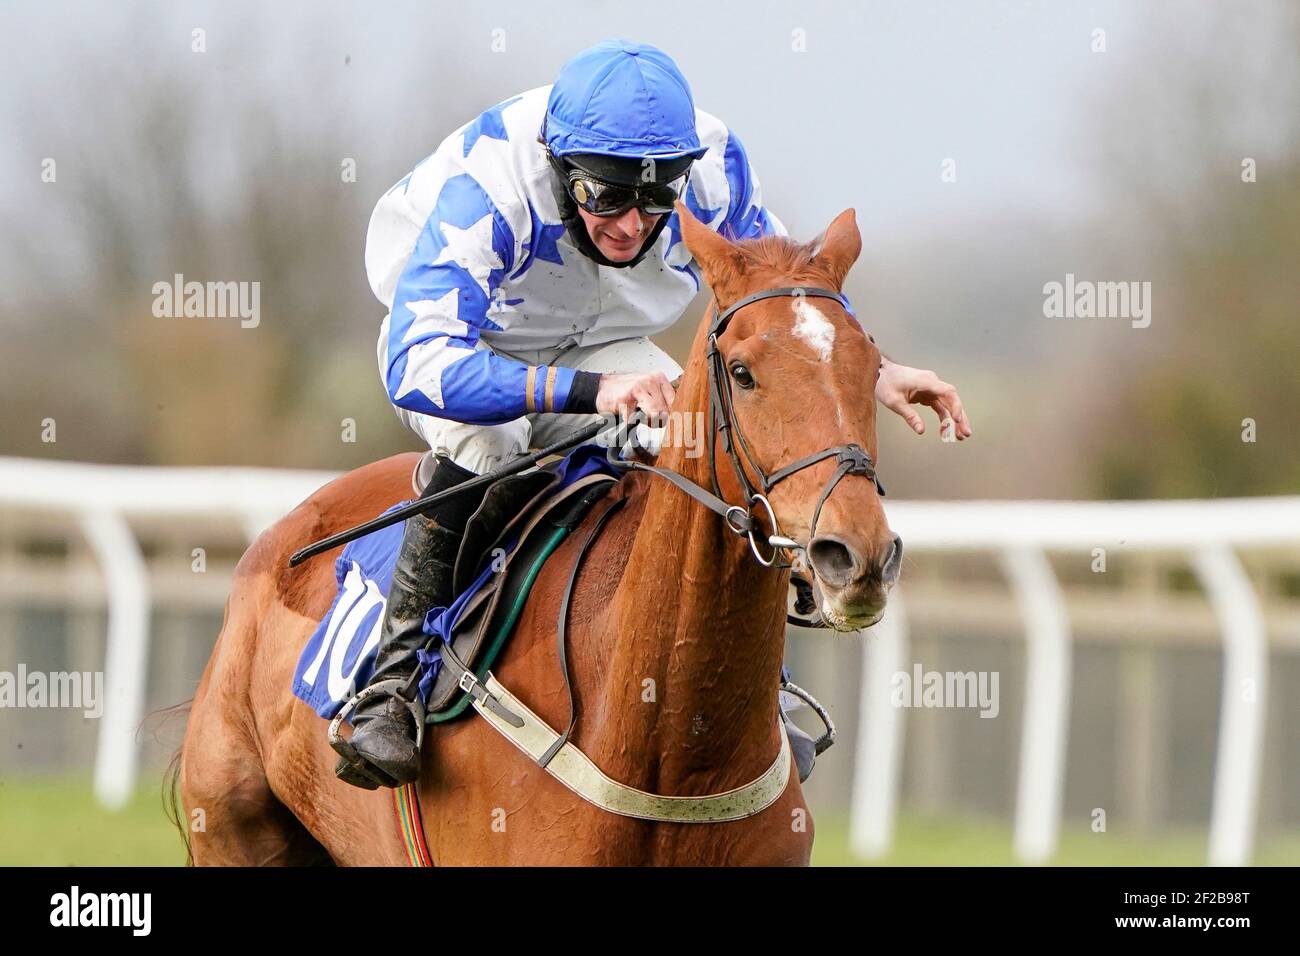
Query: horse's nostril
x=833 y=561
x=893 y=566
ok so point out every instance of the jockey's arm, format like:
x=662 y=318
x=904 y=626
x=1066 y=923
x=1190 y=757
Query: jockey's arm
x=436 y=363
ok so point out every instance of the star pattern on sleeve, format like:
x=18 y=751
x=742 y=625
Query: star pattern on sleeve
x=677 y=256
x=469 y=247
x=542 y=243
x=488 y=123
x=425 y=365
x=436 y=317
x=703 y=213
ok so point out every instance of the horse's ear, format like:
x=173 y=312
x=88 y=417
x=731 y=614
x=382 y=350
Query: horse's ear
x=840 y=246
x=720 y=261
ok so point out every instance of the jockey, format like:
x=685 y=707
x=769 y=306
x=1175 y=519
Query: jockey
x=524 y=266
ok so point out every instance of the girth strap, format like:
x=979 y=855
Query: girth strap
x=576 y=771
x=561 y=759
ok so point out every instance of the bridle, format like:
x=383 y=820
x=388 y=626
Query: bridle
x=853 y=459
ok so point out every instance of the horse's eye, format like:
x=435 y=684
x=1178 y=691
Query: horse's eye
x=742 y=376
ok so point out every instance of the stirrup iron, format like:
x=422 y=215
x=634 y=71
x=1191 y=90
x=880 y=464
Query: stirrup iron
x=823 y=742
x=388 y=688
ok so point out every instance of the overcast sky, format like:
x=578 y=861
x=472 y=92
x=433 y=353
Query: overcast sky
x=881 y=95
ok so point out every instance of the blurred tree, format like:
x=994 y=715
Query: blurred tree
x=1169 y=420
x=198 y=166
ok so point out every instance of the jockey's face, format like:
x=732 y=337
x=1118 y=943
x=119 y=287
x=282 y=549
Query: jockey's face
x=619 y=238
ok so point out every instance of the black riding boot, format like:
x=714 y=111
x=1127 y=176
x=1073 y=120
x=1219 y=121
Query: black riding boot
x=384 y=730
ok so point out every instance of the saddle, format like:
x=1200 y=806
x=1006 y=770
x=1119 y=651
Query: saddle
x=520 y=523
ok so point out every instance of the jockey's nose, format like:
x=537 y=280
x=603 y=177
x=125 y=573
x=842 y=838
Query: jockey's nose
x=632 y=223
x=839 y=565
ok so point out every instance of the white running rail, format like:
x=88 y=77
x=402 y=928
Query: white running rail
x=102 y=499
x=1021 y=533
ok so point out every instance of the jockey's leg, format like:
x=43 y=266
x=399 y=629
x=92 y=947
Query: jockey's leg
x=384 y=729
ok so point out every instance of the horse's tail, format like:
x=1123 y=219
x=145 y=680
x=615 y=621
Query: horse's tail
x=171 y=783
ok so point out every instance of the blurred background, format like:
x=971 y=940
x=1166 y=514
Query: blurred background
x=989 y=148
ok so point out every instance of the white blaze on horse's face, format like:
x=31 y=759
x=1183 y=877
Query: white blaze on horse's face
x=814 y=328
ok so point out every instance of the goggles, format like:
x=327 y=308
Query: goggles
x=609 y=199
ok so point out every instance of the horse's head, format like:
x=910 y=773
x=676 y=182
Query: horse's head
x=801 y=374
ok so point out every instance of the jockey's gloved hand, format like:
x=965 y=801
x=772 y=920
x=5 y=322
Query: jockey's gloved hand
x=622 y=393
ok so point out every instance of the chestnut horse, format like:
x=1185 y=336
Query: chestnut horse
x=676 y=632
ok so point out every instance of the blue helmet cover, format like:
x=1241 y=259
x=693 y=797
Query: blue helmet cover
x=619 y=98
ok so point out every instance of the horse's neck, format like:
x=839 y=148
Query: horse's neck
x=698 y=616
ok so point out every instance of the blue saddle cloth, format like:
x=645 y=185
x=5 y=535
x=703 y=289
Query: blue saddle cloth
x=340 y=656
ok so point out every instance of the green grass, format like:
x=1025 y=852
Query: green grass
x=56 y=822
x=949 y=841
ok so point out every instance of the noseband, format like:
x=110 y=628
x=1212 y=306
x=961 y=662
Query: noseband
x=853 y=459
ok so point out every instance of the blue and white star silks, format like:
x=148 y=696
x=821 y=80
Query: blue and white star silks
x=677 y=255
x=488 y=124
x=746 y=218
x=470 y=255
x=541 y=243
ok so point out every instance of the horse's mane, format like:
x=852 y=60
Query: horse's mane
x=780 y=252
x=783 y=256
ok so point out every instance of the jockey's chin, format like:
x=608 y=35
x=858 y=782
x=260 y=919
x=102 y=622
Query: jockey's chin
x=619 y=238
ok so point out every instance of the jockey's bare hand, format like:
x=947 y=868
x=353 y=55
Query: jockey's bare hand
x=900 y=387
x=625 y=392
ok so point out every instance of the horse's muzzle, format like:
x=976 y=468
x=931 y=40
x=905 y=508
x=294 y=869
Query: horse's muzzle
x=854 y=589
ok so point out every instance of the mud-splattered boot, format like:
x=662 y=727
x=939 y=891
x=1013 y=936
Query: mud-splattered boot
x=385 y=729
